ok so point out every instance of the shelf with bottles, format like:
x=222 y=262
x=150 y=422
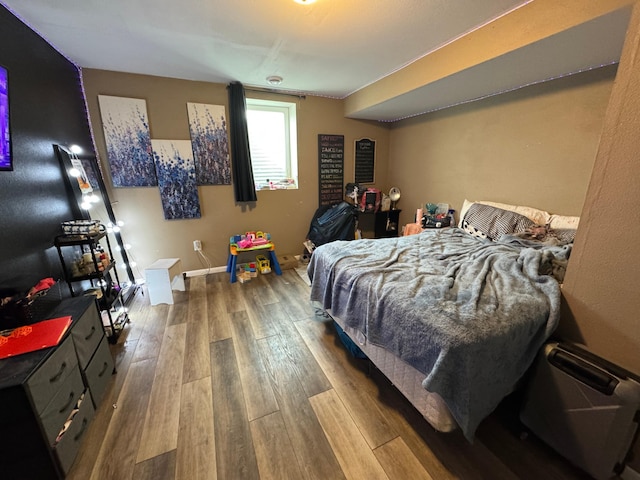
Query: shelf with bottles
x=107 y=293
x=83 y=257
x=85 y=262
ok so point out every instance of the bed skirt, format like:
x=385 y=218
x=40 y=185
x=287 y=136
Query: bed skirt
x=406 y=379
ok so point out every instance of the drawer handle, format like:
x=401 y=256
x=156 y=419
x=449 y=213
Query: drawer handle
x=71 y=395
x=81 y=432
x=93 y=330
x=57 y=376
x=104 y=369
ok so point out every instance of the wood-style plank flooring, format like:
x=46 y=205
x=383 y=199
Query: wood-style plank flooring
x=249 y=381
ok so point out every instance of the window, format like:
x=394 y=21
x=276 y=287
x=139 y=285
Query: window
x=273 y=143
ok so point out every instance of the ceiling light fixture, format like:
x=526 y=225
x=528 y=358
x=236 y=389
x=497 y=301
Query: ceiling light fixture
x=274 y=80
x=304 y=2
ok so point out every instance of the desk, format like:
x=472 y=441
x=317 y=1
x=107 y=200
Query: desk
x=233 y=257
x=162 y=277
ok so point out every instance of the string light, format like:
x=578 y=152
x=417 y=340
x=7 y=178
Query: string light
x=86 y=202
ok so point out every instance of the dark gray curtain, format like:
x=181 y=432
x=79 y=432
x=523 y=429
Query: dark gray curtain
x=243 y=185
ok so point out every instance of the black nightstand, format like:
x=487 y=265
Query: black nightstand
x=385 y=224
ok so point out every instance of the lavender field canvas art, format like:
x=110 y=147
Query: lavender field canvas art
x=176 y=178
x=126 y=132
x=208 y=128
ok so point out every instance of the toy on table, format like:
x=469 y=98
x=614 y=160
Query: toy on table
x=249 y=242
x=252 y=239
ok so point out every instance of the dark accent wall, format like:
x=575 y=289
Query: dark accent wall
x=47 y=107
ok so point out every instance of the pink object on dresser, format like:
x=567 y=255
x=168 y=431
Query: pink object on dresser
x=411 y=229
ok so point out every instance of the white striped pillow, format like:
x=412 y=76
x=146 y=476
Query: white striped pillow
x=485 y=221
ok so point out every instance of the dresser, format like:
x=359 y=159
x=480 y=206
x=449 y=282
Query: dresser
x=49 y=396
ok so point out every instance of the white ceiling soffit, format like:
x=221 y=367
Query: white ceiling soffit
x=591 y=45
x=330 y=48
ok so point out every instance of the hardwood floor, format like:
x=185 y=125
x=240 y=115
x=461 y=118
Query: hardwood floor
x=248 y=381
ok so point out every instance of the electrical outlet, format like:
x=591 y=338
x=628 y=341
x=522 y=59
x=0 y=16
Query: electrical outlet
x=197 y=245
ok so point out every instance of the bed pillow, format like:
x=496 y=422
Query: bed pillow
x=486 y=221
x=565 y=235
x=562 y=222
x=538 y=216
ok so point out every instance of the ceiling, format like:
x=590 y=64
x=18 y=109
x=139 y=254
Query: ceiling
x=329 y=48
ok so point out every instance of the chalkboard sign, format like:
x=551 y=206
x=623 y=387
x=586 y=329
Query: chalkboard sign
x=331 y=166
x=365 y=152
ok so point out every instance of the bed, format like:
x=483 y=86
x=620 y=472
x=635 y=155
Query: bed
x=454 y=317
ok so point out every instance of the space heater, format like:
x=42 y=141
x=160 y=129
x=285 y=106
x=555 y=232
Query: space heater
x=584 y=407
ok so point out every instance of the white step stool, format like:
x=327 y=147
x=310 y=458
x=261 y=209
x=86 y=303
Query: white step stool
x=162 y=277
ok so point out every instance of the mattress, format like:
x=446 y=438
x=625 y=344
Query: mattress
x=406 y=379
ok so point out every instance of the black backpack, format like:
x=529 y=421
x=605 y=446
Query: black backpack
x=333 y=222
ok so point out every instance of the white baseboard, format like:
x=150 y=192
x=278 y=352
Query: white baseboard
x=205 y=271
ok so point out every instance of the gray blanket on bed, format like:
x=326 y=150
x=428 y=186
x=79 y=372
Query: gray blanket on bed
x=468 y=313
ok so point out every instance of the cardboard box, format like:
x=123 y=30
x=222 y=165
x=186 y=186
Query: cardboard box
x=287 y=261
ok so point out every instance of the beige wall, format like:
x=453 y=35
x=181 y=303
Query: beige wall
x=285 y=214
x=601 y=287
x=535 y=146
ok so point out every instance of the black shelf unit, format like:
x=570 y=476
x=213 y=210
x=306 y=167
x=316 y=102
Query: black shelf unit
x=65 y=157
x=112 y=297
x=385 y=223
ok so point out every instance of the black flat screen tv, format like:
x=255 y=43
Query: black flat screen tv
x=5 y=139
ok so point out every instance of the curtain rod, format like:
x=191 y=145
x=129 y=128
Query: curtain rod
x=277 y=92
